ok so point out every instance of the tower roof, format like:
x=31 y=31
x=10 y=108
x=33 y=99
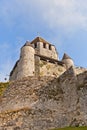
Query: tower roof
x=39 y=39
x=65 y=56
x=27 y=44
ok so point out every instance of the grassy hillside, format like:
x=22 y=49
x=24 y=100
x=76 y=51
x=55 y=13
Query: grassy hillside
x=69 y=128
x=3 y=86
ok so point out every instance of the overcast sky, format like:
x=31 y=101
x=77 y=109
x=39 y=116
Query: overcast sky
x=61 y=22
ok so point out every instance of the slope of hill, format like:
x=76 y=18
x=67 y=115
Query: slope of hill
x=42 y=103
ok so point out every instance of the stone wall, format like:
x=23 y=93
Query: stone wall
x=46 y=68
x=52 y=53
x=80 y=70
x=50 y=69
x=31 y=65
x=14 y=72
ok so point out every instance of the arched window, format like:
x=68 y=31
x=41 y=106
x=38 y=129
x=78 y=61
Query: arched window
x=44 y=45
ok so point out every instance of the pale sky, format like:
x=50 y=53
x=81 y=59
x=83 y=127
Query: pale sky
x=61 y=22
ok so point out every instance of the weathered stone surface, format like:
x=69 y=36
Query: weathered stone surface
x=41 y=103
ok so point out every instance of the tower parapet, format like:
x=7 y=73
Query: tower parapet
x=44 y=48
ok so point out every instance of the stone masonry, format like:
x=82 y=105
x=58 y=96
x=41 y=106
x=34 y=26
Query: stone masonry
x=39 y=58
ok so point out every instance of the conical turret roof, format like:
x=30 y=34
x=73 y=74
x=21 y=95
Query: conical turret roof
x=27 y=44
x=65 y=56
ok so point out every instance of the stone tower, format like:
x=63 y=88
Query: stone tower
x=67 y=61
x=26 y=65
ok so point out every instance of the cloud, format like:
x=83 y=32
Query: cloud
x=65 y=14
x=55 y=15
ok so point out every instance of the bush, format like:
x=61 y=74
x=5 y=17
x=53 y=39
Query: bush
x=72 y=128
x=3 y=87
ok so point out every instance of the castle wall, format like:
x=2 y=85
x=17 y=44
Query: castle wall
x=50 y=69
x=33 y=65
x=14 y=74
x=37 y=65
x=26 y=65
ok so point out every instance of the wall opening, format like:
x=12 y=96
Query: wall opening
x=35 y=45
x=50 y=47
x=44 y=45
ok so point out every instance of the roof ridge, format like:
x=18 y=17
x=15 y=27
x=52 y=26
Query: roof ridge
x=39 y=39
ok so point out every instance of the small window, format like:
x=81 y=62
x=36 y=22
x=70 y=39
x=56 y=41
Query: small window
x=35 y=45
x=50 y=47
x=44 y=45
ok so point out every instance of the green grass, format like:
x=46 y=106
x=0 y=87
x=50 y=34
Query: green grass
x=72 y=128
x=3 y=87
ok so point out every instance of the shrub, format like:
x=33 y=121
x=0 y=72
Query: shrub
x=3 y=86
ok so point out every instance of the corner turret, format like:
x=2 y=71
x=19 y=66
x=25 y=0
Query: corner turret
x=26 y=66
x=67 y=60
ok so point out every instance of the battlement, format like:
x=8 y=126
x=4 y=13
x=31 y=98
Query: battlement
x=42 y=47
